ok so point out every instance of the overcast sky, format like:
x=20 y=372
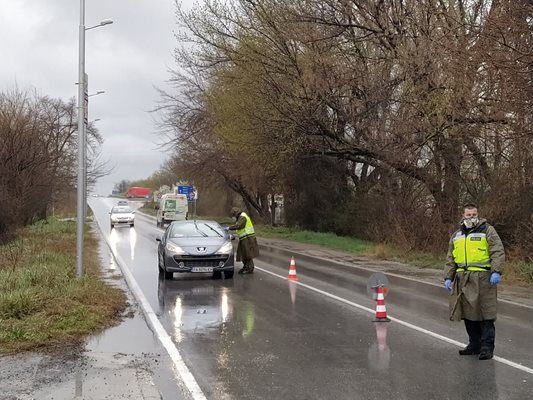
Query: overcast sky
x=39 y=49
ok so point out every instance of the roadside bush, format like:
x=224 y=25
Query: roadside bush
x=17 y=303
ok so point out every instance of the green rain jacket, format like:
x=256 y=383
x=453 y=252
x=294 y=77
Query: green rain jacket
x=248 y=248
x=472 y=296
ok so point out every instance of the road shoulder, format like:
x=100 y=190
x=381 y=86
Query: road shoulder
x=125 y=361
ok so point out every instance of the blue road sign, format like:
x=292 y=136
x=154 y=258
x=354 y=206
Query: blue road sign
x=187 y=190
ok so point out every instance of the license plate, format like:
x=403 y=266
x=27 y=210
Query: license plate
x=202 y=269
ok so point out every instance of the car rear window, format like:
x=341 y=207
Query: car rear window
x=121 y=210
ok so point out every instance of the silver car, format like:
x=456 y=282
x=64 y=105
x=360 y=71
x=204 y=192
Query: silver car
x=122 y=215
x=195 y=246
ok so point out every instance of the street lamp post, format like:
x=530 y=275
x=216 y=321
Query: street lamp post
x=85 y=156
x=82 y=99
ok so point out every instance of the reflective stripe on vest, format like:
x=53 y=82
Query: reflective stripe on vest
x=248 y=229
x=471 y=252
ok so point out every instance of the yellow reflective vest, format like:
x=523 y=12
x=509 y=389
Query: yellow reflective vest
x=471 y=251
x=248 y=229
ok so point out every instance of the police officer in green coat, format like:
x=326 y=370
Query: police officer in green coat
x=473 y=270
x=248 y=248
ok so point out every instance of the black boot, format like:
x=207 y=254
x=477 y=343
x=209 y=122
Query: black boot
x=473 y=328
x=486 y=355
x=488 y=335
x=470 y=351
x=246 y=271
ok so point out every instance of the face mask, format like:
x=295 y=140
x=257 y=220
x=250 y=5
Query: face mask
x=469 y=223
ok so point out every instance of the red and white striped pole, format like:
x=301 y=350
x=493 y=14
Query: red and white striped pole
x=381 y=310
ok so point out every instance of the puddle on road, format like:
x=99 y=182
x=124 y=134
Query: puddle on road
x=119 y=338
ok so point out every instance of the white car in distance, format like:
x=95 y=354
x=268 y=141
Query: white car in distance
x=122 y=215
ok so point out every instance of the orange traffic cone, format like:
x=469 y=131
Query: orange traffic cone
x=292 y=271
x=381 y=310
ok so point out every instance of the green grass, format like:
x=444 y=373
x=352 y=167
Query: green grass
x=149 y=208
x=516 y=272
x=380 y=251
x=519 y=272
x=329 y=240
x=41 y=300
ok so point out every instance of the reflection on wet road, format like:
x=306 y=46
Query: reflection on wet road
x=261 y=337
x=193 y=310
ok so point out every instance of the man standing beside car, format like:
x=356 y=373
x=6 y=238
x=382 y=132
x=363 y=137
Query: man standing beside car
x=248 y=248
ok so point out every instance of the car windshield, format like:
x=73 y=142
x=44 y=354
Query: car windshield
x=198 y=229
x=121 y=210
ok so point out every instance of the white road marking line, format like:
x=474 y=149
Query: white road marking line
x=408 y=278
x=151 y=317
x=404 y=323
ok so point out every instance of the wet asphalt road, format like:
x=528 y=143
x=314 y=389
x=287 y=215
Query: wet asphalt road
x=261 y=337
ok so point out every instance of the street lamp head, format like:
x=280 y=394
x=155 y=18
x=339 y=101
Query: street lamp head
x=102 y=23
x=97 y=93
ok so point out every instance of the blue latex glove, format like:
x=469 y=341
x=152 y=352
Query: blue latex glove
x=495 y=278
x=448 y=284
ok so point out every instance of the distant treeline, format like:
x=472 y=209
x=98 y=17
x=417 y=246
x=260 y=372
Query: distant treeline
x=38 y=154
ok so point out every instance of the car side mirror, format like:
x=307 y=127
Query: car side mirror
x=133 y=212
x=232 y=237
x=158 y=239
x=156 y=206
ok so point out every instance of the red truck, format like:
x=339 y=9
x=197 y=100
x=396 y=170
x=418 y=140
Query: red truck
x=138 y=192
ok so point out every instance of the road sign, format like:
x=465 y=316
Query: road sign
x=187 y=190
x=375 y=280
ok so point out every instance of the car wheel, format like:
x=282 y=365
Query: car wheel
x=168 y=275
x=228 y=274
x=163 y=270
x=217 y=275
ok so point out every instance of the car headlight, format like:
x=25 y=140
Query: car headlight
x=226 y=248
x=174 y=249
